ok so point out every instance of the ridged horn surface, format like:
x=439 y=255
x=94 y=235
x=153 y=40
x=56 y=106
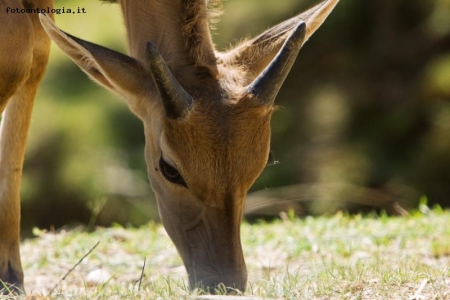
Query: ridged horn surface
x=266 y=86
x=177 y=102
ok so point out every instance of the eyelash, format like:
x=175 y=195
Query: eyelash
x=171 y=173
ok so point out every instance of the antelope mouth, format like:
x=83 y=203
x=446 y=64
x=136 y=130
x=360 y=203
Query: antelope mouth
x=229 y=283
x=215 y=262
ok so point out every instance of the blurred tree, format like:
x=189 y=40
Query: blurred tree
x=373 y=113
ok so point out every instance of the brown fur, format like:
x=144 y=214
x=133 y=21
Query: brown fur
x=224 y=154
x=197 y=18
x=27 y=49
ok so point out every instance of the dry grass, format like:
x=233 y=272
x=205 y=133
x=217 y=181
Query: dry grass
x=337 y=257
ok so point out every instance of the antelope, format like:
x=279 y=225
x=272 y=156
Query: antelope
x=206 y=117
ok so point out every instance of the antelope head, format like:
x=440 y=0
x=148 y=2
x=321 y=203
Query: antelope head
x=206 y=117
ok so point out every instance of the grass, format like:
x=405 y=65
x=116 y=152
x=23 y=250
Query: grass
x=335 y=257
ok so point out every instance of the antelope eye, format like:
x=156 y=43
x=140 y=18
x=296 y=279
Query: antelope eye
x=170 y=173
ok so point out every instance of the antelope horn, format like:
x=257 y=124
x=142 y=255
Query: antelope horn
x=266 y=86
x=177 y=102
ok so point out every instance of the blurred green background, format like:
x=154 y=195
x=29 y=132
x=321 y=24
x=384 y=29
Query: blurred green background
x=364 y=118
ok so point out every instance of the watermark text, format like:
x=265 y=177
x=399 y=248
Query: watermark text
x=45 y=10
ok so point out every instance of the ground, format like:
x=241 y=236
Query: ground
x=335 y=257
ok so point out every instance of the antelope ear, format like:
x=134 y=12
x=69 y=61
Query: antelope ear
x=257 y=53
x=116 y=71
